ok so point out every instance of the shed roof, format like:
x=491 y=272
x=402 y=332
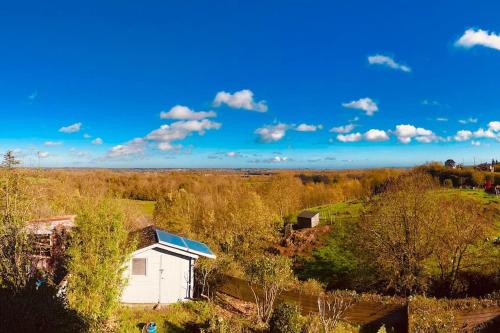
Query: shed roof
x=152 y=235
x=308 y=214
x=47 y=225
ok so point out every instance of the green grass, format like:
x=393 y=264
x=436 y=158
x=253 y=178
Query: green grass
x=145 y=207
x=340 y=211
x=489 y=201
x=175 y=318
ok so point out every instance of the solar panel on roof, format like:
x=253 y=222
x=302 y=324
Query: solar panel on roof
x=198 y=247
x=171 y=239
x=182 y=243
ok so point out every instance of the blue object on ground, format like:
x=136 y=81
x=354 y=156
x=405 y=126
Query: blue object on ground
x=151 y=328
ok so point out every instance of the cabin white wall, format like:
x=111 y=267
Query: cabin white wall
x=169 y=286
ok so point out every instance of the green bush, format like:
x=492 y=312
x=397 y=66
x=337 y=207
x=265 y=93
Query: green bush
x=286 y=319
x=448 y=183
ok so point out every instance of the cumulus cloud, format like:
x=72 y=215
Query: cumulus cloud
x=97 y=141
x=272 y=133
x=164 y=137
x=133 y=147
x=308 y=128
x=474 y=37
x=242 y=99
x=405 y=133
x=376 y=135
x=463 y=135
x=353 y=137
x=343 y=129
x=492 y=132
x=373 y=135
x=366 y=104
x=494 y=126
x=43 y=154
x=87 y=136
x=380 y=59
x=167 y=134
x=71 y=128
x=52 y=143
x=181 y=112
x=475 y=143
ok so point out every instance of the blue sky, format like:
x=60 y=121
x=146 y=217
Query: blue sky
x=286 y=84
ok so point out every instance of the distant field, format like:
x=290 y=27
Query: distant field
x=490 y=201
x=340 y=211
x=145 y=207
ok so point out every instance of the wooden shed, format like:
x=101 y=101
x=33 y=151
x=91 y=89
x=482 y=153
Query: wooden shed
x=160 y=271
x=307 y=219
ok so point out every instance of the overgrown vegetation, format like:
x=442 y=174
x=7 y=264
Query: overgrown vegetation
x=395 y=232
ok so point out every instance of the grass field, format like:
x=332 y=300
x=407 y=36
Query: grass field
x=145 y=207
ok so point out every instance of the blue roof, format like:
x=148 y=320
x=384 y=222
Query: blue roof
x=184 y=244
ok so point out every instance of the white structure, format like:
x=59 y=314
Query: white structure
x=161 y=270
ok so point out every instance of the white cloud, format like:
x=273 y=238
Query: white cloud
x=272 y=133
x=71 y=128
x=343 y=129
x=469 y=120
x=52 y=143
x=366 y=104
x=376 y=135
x=308 y=128
x=463 y=135
x=387 y=61
x=405 y=133
x=474 y=37
x=481 y=133
x=441 y=119
x=167 y=134
x=87 y=136
x=181 y=112
x=164 y=137
x=97 y=141
x=475 y=143
x=43 y=154
x=492 y=132
x=242 y=99
x=353 y=137
x=33 y=96
x=133 y=147
x=279 y=159
x=494 y=126
x=430 y=102
x=232 y=154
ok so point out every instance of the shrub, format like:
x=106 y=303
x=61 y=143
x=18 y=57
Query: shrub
x=286 y=319
x=448 y=183
x=97 y=253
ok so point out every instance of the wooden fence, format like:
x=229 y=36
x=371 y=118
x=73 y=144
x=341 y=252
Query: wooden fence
x=370 y=315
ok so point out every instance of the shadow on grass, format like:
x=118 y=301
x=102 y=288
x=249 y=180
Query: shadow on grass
x=37 y=310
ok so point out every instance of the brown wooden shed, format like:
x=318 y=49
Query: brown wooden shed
x=307 y=219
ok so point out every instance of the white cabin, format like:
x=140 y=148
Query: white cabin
x=160 y=271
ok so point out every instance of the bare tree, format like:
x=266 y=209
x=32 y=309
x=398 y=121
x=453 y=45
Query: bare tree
x=463 y=227
x=332 y=307
x=399 y=231
x=268 y=276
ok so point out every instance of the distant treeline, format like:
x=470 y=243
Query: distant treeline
x=460 y=177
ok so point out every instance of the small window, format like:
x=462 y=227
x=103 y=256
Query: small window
x=139 y=266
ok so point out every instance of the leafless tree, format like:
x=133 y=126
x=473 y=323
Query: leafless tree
x=332 y=307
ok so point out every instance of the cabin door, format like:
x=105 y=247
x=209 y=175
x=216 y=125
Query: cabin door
x=174 y=279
